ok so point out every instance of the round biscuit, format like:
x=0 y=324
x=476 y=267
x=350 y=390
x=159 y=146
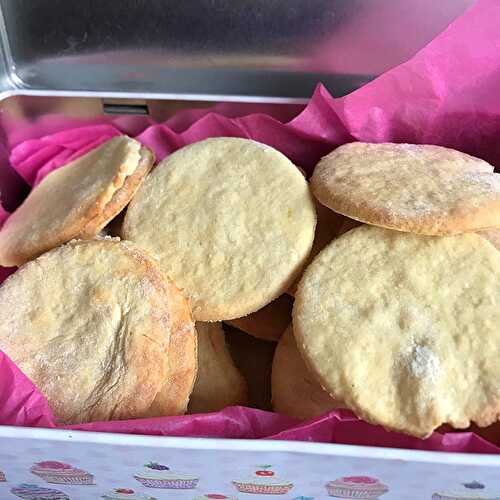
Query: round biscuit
x=407 y=187
x=90 y=324
x=231 y=221
x=76 y=200
x=405 y=328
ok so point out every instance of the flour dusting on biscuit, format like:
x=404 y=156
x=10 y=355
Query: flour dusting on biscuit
x=408 y=187
x=91 y=323
x=403 y=328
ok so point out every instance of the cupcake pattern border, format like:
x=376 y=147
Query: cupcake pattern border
x=264 y=482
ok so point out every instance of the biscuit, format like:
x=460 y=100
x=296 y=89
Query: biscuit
x=90 y=324
x=231 y=221
x=267 y=323
x=295 y=391
x=76 y=200
x=182 y=359
x=414 y=188
x=219 y=383
x=403 y=328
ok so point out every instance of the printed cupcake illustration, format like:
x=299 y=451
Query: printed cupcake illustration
x=361 y=487
x=154 y=475
x=126 y=494
x=2 y=477
x=214 y=496
x=264 y=481
x=61 y=473
x=473 y=490
x=34 y=492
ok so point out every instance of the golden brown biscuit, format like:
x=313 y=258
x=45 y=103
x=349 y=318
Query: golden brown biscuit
x=75 y=201
x=414 y=188
x=219 y=383
x=404 y=328
x=90 y=324
x=267 y=323
x=122 y=196
x=237 y=223
x=182 y=359
x=295 y=390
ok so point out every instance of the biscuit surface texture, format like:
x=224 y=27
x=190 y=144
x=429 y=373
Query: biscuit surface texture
x=90 y=324
x=414 y=188
x=76 y=200
x=404 y=329
x=295 y=391
x=219 y=383
x=231 y=221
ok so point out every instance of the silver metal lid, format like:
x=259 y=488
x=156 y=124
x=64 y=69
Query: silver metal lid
x=212 y=49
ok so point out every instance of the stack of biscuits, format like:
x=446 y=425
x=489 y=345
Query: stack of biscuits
x=158 y=291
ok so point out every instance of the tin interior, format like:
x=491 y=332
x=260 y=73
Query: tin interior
x=221 y=50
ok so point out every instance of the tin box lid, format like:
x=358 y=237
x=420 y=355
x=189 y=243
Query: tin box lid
x=267 y=50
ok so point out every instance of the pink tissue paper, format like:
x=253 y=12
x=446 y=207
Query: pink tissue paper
x=447 y=94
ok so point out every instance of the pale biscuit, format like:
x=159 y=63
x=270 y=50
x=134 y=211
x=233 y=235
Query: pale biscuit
x=219 y=383
x=76 y=200
x=413 y=188
x=295 y=390
x=404 y=328
x=90 y=324
x=267 y=323
x=231 y=221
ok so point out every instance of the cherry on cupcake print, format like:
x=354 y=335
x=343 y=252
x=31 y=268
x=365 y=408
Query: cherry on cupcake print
x=56 y=472
x=361 y=487
x=126 y=494
x=263 y=481
x=156 y=475
x=469 y=490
